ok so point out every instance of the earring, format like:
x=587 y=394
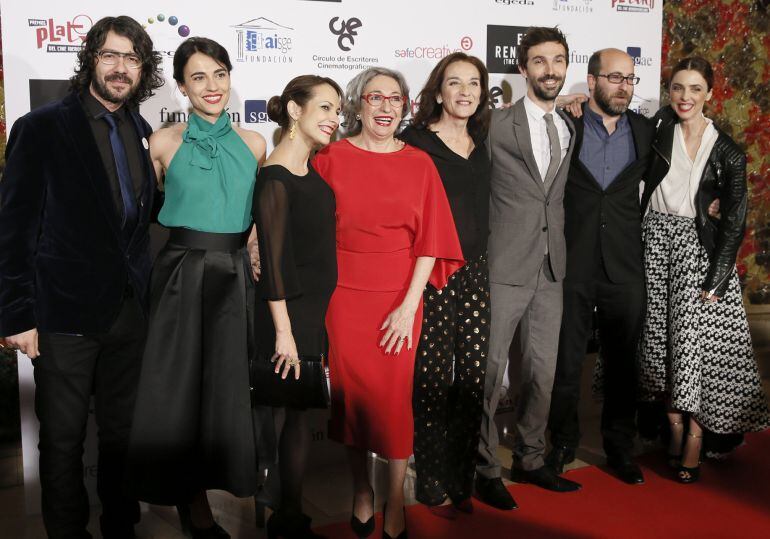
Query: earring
x=358 y=117
x=293 y=130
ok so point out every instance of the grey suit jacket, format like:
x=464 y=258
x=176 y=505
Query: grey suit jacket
x=524 y=214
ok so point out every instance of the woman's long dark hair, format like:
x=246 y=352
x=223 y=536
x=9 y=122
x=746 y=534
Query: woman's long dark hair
x=127 y=27
x=429 y=109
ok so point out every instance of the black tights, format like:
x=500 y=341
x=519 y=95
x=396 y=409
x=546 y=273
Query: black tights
x=293 y=450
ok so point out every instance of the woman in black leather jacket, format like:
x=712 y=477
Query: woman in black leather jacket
x=695 y=346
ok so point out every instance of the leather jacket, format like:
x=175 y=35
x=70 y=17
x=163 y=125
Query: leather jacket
x=724 y=177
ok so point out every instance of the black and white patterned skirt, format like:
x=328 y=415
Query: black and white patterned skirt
x=700 y=354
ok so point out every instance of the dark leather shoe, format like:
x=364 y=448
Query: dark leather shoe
x=493 y=492
x=626 y=469
x=558 y=457
x=546 y=478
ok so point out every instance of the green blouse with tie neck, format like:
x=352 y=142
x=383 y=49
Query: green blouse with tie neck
x=210 y=181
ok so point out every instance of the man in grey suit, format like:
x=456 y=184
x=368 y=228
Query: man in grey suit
x=530 y=146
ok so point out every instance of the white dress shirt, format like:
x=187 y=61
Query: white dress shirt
x=675 y=195
x=538 y=135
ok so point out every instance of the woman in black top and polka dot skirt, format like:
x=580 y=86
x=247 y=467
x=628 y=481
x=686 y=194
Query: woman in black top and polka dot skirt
x=451 y=359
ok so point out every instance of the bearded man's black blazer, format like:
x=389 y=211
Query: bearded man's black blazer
x=603 y=228
x=65 y=265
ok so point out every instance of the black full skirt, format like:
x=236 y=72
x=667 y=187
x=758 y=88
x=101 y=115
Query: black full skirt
x=192 y=424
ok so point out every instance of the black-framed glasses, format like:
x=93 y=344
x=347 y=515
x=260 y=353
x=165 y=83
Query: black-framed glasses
x=377 y=100
x=617 y=78
x=110 y=58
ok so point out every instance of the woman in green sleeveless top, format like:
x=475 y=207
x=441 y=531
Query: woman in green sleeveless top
x=193 y=427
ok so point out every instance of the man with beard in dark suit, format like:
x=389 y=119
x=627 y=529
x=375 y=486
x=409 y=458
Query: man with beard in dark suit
x=605 y=270
x=75 y=204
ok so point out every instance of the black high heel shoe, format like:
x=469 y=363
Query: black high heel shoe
x=385 y=534
x=362 y=529
x=290 y=526
x=686 y=474
x=213 y=532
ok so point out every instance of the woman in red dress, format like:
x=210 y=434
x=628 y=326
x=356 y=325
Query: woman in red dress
x=395 y=233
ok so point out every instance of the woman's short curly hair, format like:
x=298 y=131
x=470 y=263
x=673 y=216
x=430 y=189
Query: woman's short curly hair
x=352 y=106
x=150 y=79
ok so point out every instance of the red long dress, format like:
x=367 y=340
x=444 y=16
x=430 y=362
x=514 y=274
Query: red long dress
x=391 y=208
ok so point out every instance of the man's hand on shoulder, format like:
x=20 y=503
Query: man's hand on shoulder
x=26 y=342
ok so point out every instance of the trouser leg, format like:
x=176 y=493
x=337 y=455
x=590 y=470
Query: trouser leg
x=115 y=385
x=508 y=304
x=540 y=327
x=430 y=397
x=466 y=396
x=573 y=340
x=64 y=374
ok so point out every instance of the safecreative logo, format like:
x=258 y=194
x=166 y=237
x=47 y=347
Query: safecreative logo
x=61 y=36
x=264 y=41
x=633 y=6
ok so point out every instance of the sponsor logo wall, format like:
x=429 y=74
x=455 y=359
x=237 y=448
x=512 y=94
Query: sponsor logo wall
x=271 y=42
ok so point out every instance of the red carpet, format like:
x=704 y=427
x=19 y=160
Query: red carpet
x=732 y=499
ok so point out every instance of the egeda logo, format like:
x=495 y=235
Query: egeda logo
x=256 y=111
x=346 y=30
x=503 y=47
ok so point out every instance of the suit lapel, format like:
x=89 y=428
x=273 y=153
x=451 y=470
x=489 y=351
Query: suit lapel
x=78 y=129
x=521 y=130
x=148 y=186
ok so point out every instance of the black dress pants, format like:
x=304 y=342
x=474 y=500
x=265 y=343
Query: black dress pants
x=619 y=313
x=68 y=371
x=448 y=394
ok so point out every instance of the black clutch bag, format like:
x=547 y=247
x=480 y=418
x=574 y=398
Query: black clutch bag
x=310 y=391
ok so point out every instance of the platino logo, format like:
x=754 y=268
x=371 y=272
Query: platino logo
x=66 y=37
x=633 y=6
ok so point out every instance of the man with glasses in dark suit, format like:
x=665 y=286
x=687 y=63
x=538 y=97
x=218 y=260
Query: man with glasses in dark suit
x=75 y=203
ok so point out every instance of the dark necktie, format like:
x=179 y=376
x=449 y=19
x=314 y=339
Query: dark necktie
x=553 y=139
x=124 y=174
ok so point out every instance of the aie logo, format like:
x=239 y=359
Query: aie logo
x=346 y=31
x=256 y=111
x=636 y=54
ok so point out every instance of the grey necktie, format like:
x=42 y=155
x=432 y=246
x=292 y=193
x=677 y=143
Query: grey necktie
x=553 y=139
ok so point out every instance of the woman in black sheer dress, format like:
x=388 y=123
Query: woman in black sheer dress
x=294 y=214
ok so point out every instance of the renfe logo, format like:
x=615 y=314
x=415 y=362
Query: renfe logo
x=71 y=34
x=633 y=6
x=256 y=111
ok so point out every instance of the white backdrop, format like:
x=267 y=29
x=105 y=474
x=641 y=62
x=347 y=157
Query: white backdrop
x=272 y=41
